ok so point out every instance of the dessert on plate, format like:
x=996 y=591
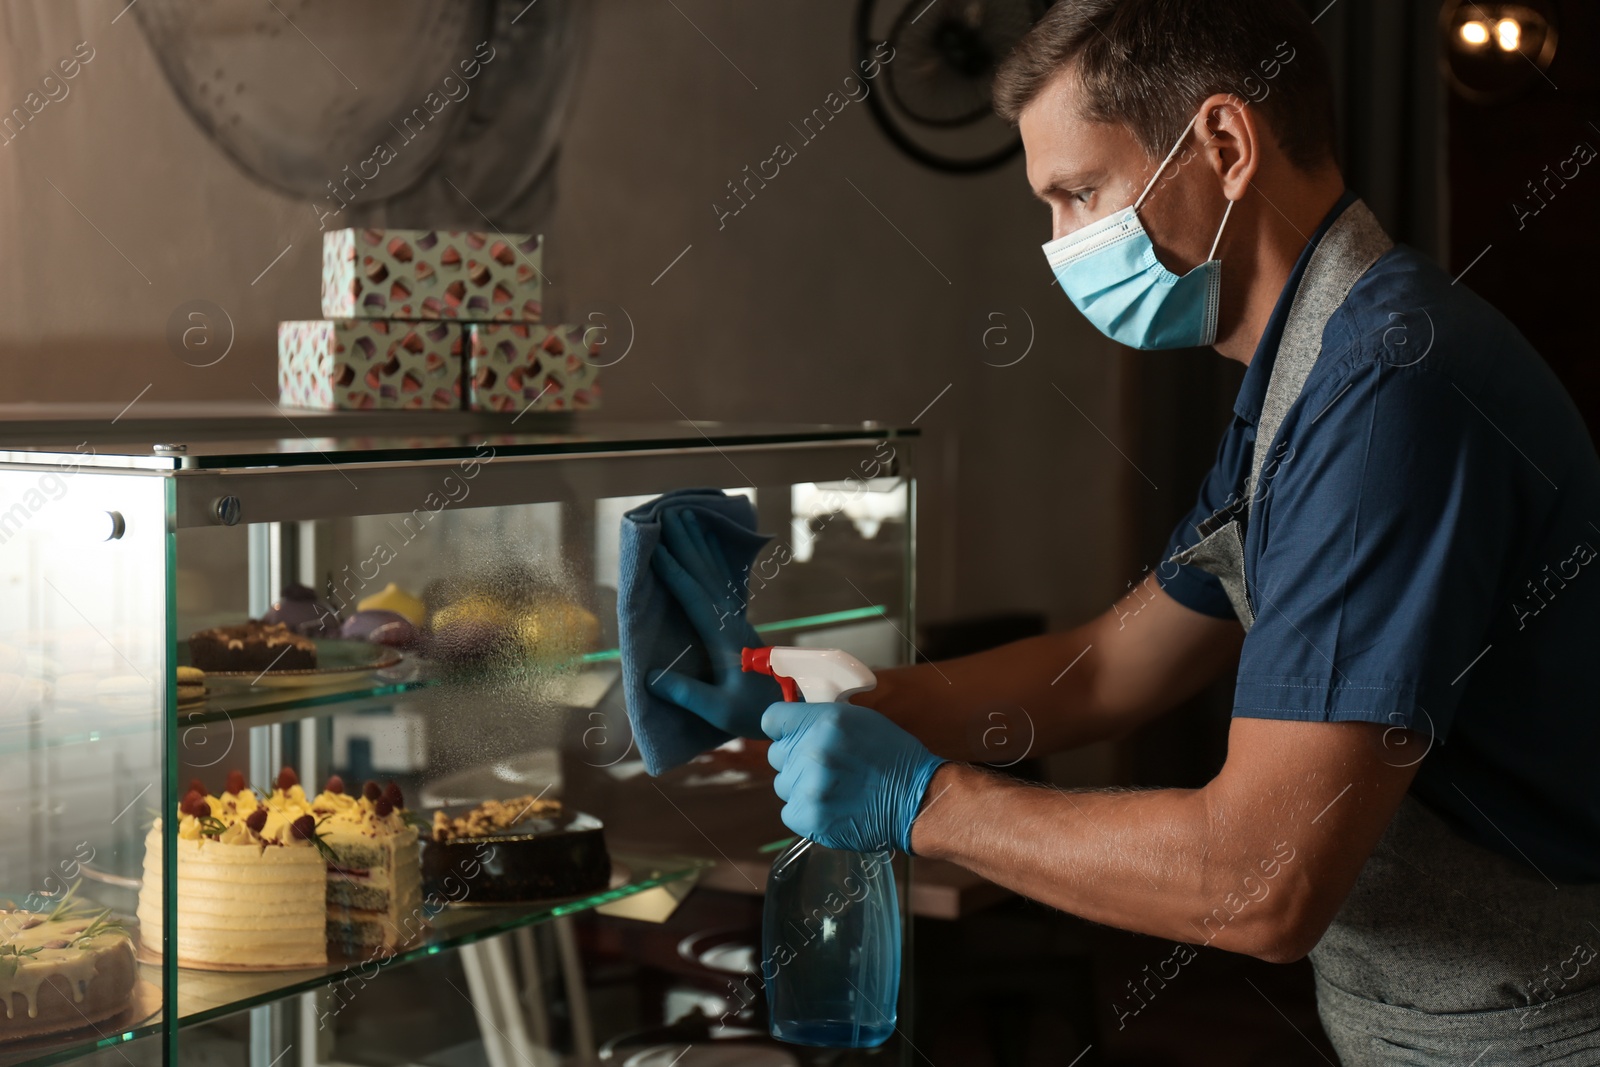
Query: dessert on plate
x=252 y=646
x=374 y=888
x=250 y=878
x=517 y=850
x=381 y=627
x=299 y=609
x=481 y=626
x=392 y=598
x=191 y=686
x=60 y=970
x=272 y=880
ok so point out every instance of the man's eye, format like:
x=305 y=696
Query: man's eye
x=1082 y=196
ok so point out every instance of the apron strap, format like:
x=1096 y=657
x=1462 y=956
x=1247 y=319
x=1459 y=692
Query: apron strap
x=1351 y=246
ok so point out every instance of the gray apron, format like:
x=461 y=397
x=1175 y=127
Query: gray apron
x=1444 y=952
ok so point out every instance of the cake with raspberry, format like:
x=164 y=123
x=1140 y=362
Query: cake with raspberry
x=374 y=890
x=251 y=878
x=61 y=970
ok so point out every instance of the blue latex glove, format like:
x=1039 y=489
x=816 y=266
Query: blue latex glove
x=849 y=777
x=693 y=567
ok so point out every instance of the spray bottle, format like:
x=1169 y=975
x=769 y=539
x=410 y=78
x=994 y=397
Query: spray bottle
x=831 y=929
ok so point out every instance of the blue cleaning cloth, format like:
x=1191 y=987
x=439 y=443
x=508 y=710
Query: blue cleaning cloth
x=654 y=631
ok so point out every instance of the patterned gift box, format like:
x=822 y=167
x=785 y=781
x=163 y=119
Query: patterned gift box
x=359 y=364
x=515 y=367
x=468 y=275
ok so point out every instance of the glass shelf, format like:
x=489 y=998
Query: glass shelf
x=267 y=705
x=43 y=1054
x=345 y=438
x=207 y=995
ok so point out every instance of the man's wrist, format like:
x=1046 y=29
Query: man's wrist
x=933 y=830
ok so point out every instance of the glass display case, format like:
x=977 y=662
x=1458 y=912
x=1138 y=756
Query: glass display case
x=460 y=597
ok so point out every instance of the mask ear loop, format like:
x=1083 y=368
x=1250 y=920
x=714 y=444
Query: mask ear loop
x=1163 y=168
x=1224 y=226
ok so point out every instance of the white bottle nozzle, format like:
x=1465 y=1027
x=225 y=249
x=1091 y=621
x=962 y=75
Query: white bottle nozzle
x=815 y=675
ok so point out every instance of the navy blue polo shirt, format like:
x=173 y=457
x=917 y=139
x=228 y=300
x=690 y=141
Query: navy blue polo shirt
x=1424 y=552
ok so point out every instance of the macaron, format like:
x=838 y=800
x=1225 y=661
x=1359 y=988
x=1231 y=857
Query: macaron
x=191 y=685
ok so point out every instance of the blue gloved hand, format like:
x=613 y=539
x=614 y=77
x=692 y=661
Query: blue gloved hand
x=849 y=777
x=692 y=566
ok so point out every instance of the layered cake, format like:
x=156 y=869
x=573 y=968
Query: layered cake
x=271 y=881
x=252 y=646
x=250 y=878
x=517 y=850
x=374 y=886
x=61 y=970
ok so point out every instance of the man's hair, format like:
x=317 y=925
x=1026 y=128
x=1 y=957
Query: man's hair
x=1148 y=65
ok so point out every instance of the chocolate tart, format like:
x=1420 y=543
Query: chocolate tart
x=547 y=856
x=251 y=646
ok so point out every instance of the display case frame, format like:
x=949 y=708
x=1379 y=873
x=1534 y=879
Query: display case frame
x=278 y=486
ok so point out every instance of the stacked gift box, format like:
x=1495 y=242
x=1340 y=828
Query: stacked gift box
x=435 y=320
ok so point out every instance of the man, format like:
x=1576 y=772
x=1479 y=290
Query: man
x=1394 y=542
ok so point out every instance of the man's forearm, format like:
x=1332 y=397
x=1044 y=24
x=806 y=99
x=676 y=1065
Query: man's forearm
x=1096 y=681
x=945 y=704
x=1148 y=861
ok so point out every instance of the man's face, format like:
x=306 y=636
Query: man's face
x=1086 y=170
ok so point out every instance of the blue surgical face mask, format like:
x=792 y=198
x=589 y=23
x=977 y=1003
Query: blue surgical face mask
x=1110 y=271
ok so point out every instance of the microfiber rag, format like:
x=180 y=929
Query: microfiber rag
x=654 y=631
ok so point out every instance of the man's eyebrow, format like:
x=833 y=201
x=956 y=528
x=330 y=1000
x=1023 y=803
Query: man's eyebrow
x=1061 y=184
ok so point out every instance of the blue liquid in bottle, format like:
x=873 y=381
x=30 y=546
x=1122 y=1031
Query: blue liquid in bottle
x=831 y=947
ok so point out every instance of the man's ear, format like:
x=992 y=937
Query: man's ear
x=1231 y=141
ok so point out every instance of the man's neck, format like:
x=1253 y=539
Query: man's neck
x=1287 y=217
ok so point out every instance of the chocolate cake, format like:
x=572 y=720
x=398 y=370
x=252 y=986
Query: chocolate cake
x=251 y=646
x=514 y=851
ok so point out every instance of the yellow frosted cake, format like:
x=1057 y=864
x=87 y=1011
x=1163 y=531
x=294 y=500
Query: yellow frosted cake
x=272 y=881
x=250 y=878
x=62 y=970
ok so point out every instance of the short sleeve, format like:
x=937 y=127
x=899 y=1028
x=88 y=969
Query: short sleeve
x=1383 y=535
x=1194 y=588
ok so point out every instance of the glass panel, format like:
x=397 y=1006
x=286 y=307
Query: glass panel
x=83 y=692
x=508 y=684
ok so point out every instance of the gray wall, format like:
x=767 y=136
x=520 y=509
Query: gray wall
x=809 y=305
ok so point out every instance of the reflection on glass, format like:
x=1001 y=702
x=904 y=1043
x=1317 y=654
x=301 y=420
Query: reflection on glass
x=82 y=659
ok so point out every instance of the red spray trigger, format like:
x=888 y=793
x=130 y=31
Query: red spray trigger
x=760 y=661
